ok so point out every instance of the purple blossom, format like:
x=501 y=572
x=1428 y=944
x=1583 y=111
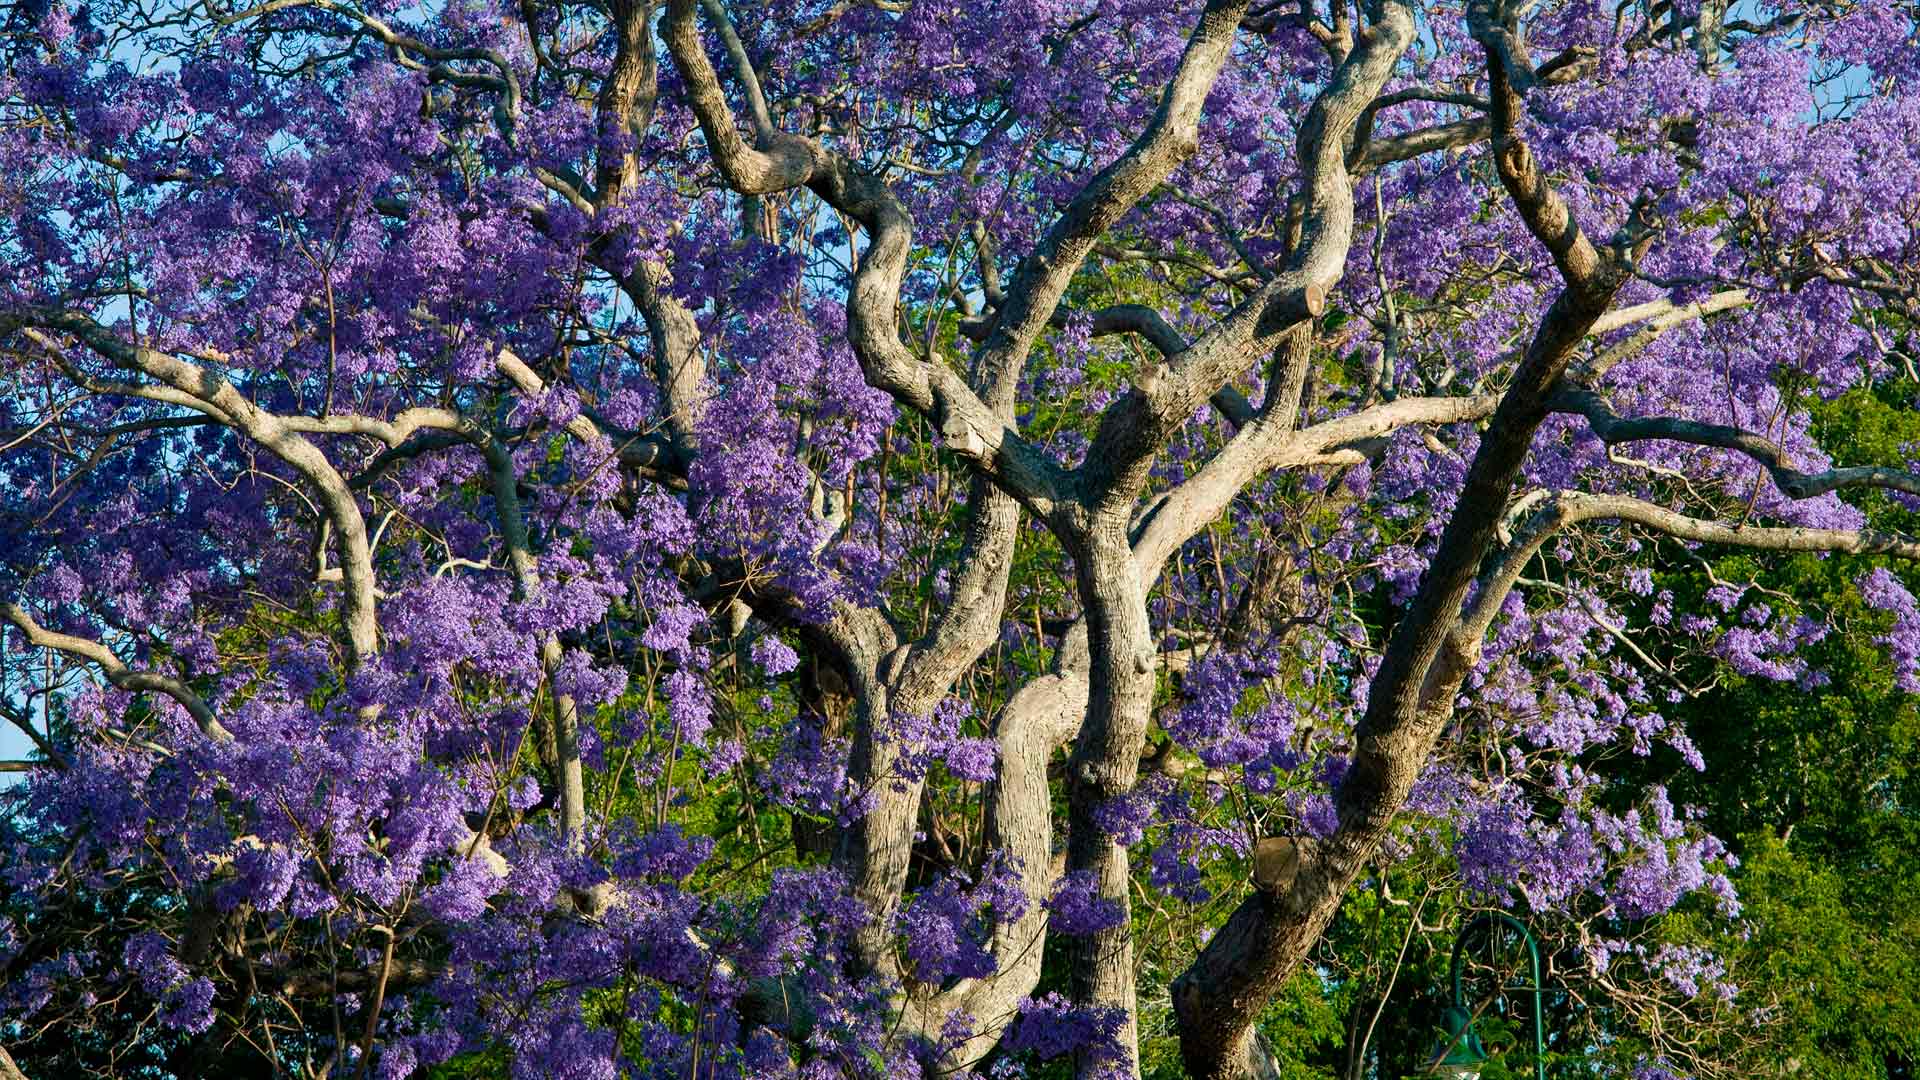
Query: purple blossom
x=1882 y=590
x=774 y=656
x=1077 y=905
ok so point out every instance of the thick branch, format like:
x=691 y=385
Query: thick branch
x=1378 y=153
x=1220 y=995
x=1540 y=206
x=626 y=100
x=775 y=161
x=1133 y=428
x=201 y=388
x=116 y=670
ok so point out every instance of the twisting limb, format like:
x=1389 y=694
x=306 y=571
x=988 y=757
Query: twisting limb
x=1133 y=428
x=1169 y=138
x=774 y=161
x=1614 y=429
x=438 y=61
x=977 y=426
x=117 y=672
x=970 y=426
x=201 y=388
x=875 y=851
x=716 y=13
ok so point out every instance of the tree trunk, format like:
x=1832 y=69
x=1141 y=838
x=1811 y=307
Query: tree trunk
x=1106 y=762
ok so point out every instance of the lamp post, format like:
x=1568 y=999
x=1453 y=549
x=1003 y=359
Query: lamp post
x=1460 y=1053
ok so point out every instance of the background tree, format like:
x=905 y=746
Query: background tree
x=621 y=536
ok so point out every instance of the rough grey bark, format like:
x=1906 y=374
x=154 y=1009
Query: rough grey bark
x=1103 y=670
x=1106 y=760
x=1098 y=695
x=1218 y=998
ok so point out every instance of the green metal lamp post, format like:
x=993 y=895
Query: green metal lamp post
x=1460 y=1053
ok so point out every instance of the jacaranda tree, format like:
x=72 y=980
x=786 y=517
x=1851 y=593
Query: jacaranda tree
x=609 y=537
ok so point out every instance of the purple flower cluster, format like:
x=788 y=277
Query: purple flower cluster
x=1882 y=590
x=1050 y=1026
x=487 y=526
x=1078 y=906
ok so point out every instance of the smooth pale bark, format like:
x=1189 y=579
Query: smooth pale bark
x=192 y=386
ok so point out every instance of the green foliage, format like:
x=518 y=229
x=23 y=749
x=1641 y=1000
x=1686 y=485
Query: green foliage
x=491 y=1064
x=1817 y=788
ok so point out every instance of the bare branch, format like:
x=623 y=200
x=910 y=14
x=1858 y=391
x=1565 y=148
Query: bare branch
x=1614 y=429
x=1582 y=506
x=1666 y=313
x=1659 y=317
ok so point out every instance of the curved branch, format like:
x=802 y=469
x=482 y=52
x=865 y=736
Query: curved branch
x=976 y=430
x=197 y=387
x=1585 y=507
x=1170 y=138
x=116 y=670
x=1614 y=429
x=775 y=161
x=1133 y=428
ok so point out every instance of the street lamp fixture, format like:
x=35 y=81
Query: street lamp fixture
x=1460 y=1053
